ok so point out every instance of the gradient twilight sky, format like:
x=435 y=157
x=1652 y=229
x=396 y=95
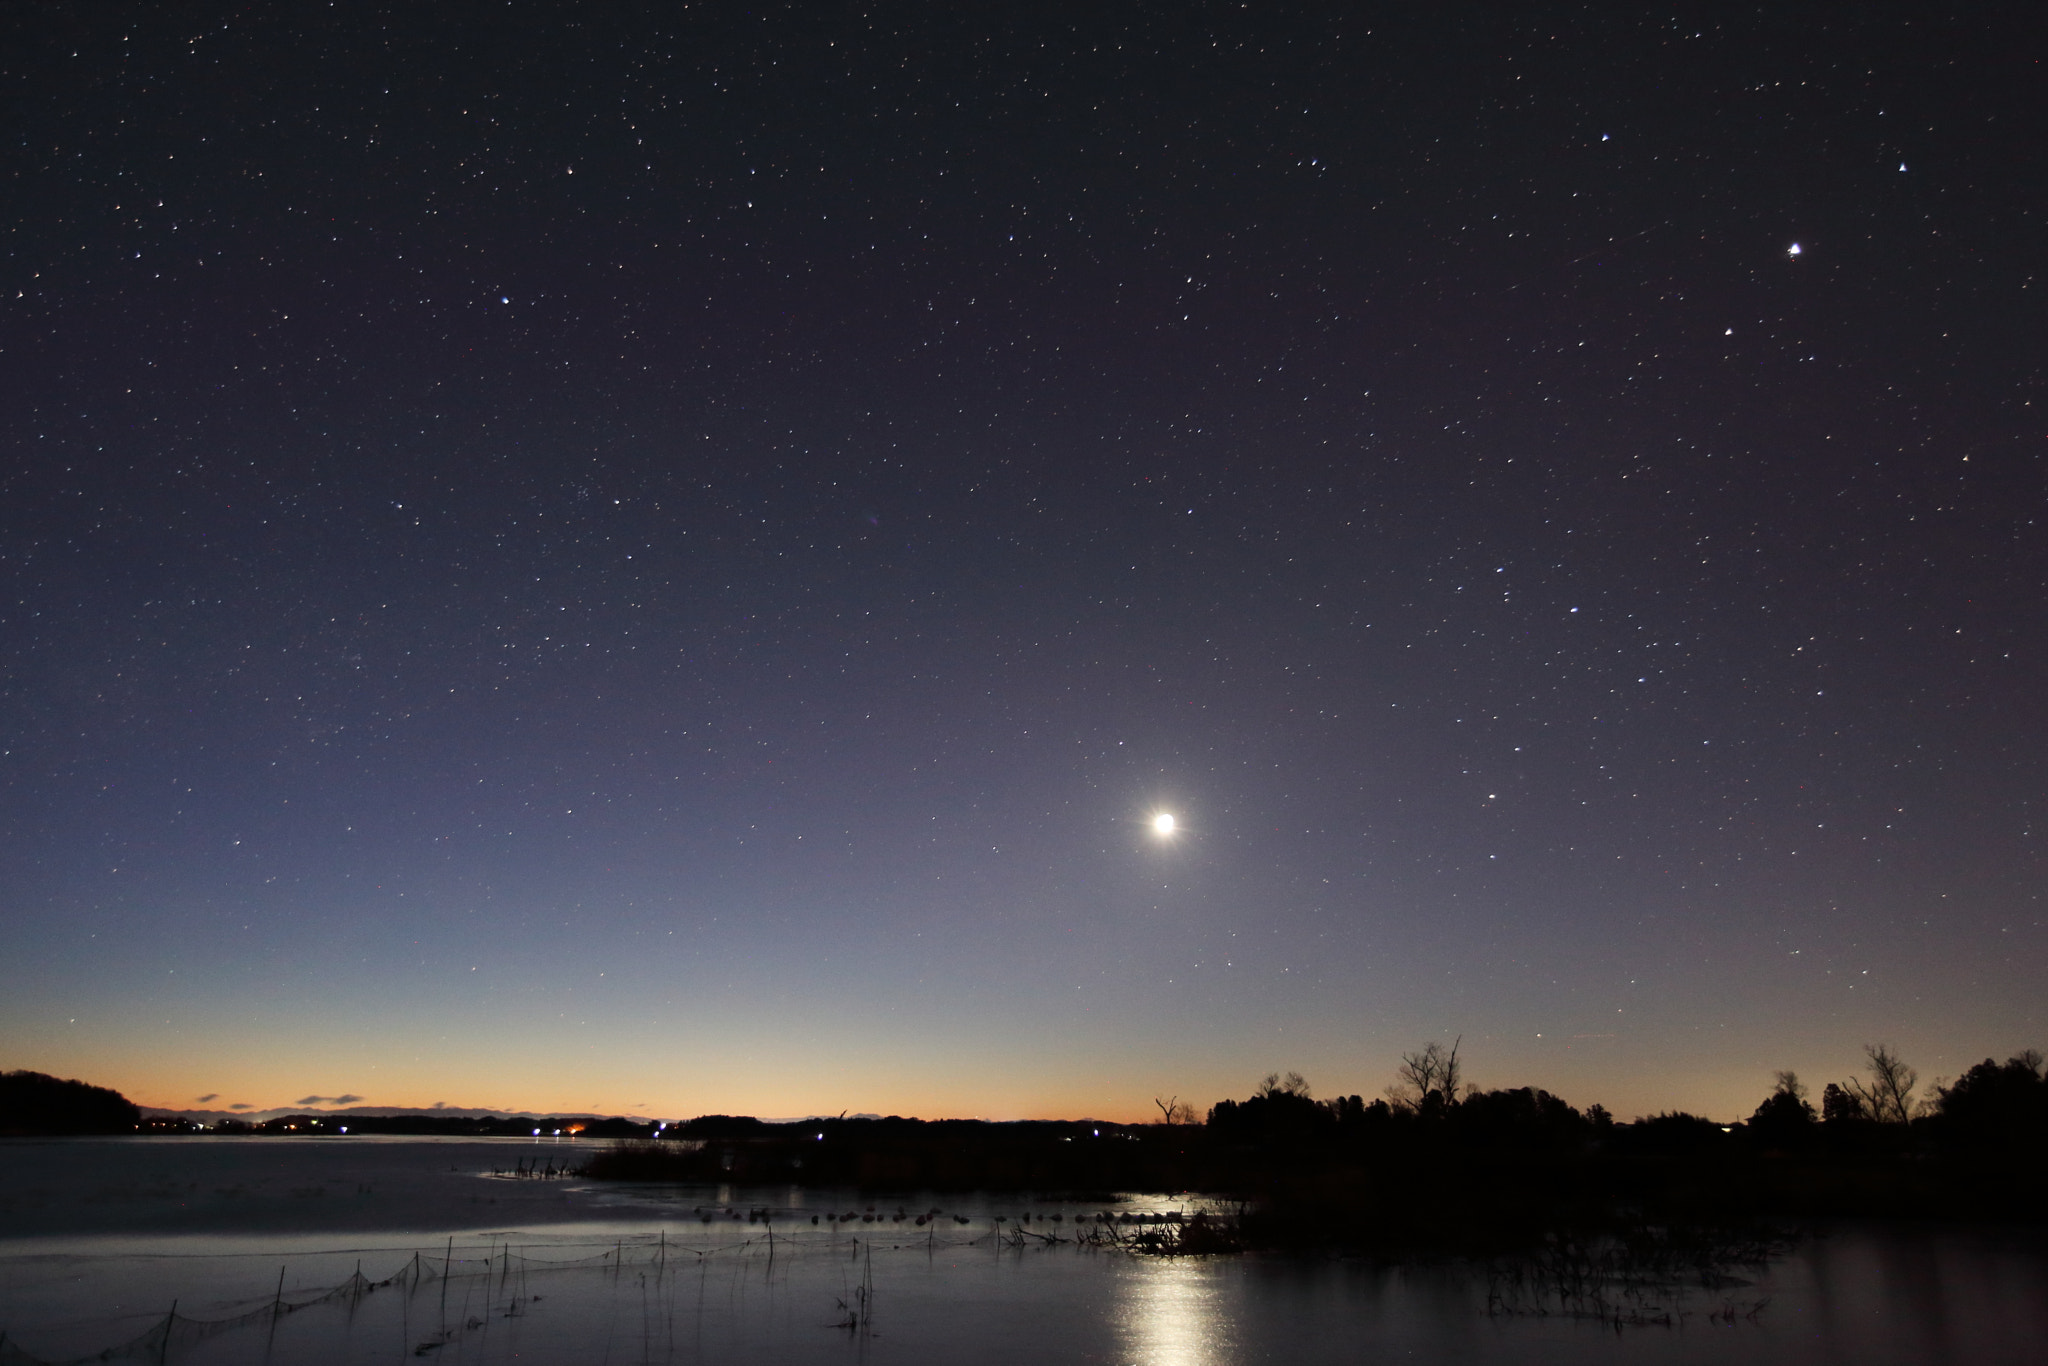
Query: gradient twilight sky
x=662 y=559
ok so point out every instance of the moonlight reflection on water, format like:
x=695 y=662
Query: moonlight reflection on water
x=99 y=1237
x=1169 y=1313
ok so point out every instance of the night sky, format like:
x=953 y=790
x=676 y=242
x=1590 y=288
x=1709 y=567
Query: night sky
x=664 y=559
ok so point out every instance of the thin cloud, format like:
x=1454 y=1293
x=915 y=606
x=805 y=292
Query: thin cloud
x=208 y=1098
x=241 y=1105
x=327 y=1100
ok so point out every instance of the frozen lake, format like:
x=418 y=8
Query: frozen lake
x=98 y=1239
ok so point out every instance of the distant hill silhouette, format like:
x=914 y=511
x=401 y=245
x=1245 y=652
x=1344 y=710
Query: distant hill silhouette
x=35 y=1104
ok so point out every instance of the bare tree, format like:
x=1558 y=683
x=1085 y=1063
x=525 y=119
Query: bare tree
x=1174 y=1111
x=1787 y=1083
x=1888 y=1096
x=1433 y=1070
x=1293 y=1084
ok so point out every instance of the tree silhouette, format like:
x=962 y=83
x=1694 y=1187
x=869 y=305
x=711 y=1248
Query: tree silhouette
x=1433 y=1070
x=1840 y=1105
x=1673 y=1134
x=1280 y=1113
x=1293 y=1084
x=1524 y=1119
x=1996 y=1106
x=1785 y=1118
x=1888 y=1096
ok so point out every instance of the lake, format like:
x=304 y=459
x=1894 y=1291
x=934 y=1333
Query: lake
x=356 y=1250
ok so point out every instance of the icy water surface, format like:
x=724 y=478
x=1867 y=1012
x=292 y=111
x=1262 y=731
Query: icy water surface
x=382 y=1250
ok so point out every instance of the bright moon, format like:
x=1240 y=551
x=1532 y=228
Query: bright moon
x=1162 y=824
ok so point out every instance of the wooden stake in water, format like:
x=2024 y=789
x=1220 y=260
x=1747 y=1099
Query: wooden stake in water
x=276 y=1310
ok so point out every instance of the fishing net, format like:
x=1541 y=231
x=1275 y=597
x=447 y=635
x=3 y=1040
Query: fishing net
x=176 y=1333
x=502 y=1269
x=497 y=1279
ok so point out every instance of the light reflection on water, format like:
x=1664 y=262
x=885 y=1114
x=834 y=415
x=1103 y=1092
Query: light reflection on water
x=96 y=1241
x=1169 y=1312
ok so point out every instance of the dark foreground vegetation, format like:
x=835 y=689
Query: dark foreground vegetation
x=1438 y=1168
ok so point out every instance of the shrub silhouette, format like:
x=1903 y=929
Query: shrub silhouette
x=1521 y=1120
x=1672 y=1134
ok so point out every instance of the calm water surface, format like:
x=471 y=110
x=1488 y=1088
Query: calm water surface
x=98 y=1238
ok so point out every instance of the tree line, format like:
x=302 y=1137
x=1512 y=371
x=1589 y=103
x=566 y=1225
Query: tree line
x=1991 y=1106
